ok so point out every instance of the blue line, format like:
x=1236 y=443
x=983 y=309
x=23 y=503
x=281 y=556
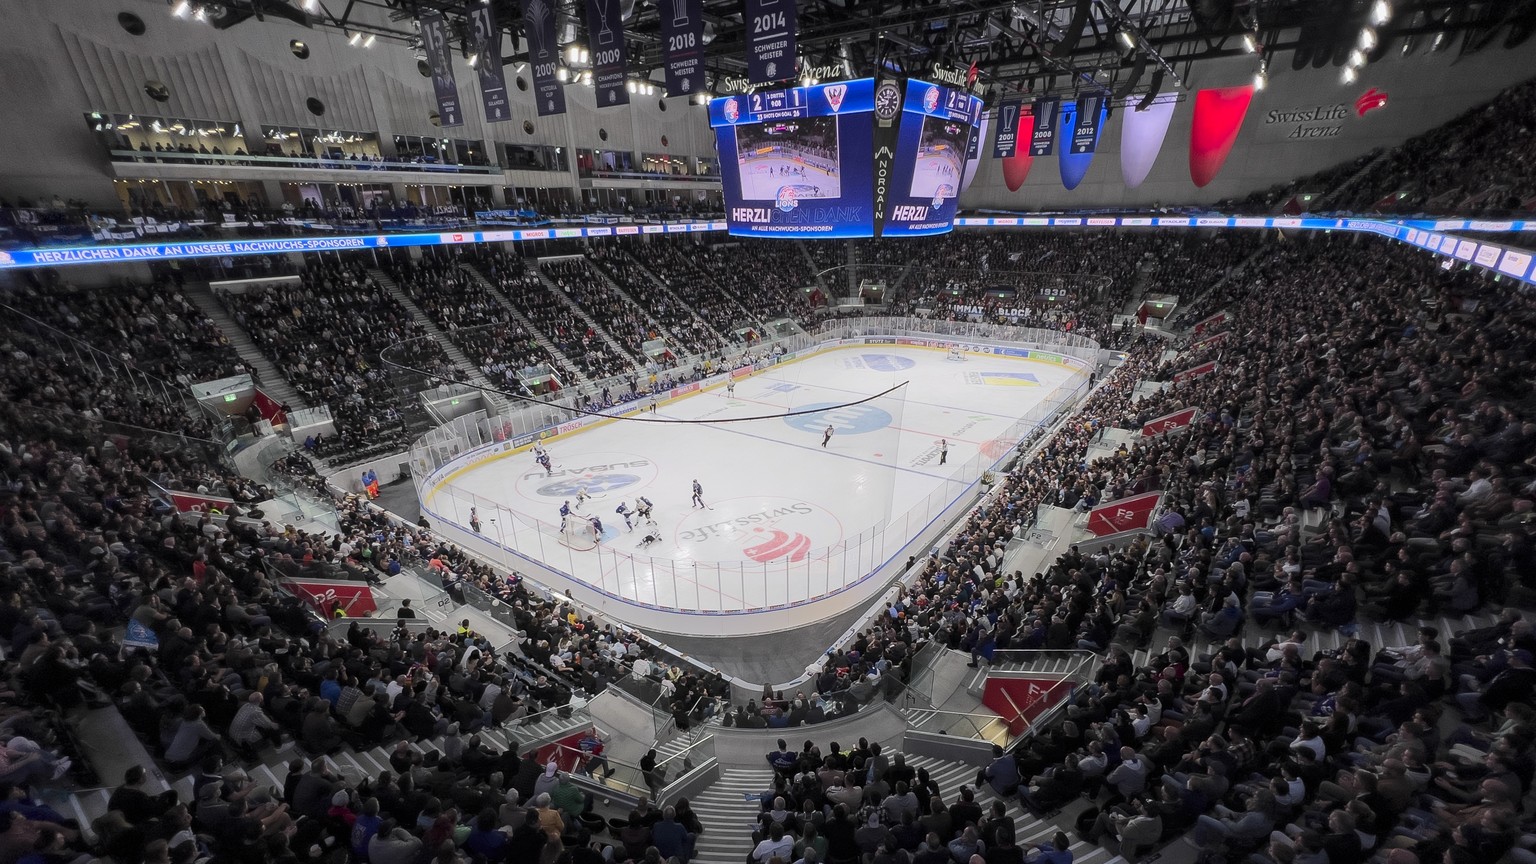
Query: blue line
x=769 y=377
x=734 y=431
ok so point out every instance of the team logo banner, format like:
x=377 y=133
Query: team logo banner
x=1127 y=514
x=493 y=81
x=544 y=56
x=1194 y=372
x=434 y=39
x=605 y=29
x=1047 y=118
x=771 y=29
x=682 y=32
x=1007 y=128
x=1169 y=422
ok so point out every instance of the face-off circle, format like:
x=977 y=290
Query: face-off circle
x=611 y=474
x=760 y=529
x=845 y=420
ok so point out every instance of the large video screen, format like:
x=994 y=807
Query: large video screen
x=797 y=162
x=937 y=123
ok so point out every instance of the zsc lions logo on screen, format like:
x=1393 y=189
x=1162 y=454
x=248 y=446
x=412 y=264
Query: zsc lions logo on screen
x=931 y=99
x=787 y=199
x=732 y=111
x=597 y=473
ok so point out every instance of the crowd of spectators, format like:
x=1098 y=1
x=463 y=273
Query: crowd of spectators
x=770 y=278
x=627 y=323
x=476 y=321
x=691 y=335
x=1479 y=163
x=569 y=333
x=671 y=260
x=327 y=334
x=1362 y=454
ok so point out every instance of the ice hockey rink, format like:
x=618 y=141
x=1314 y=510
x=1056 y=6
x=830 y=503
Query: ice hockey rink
x=933 y=172
x=763 y=177
x=787 y=521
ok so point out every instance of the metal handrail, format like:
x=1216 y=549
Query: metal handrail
x=687 y=751
x=323 y=162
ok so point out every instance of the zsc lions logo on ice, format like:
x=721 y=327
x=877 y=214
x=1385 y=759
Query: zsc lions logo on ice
x=835 y=94
x=732 y=111
x=931 y=99
x=788 y=199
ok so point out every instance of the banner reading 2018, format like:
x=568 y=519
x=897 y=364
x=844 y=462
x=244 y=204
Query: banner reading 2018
x=682 y=34
x=771 y=28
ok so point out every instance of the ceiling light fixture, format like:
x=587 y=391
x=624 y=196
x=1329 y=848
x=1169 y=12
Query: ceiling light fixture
x=1367 y=39
x=368 y=43
x=1251 y=43
x=355 y=38
x=182 y=10
x=1381 y=12
x=1351 y=74
x=1126 y=37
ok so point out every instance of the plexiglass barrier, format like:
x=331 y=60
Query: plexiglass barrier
x=726 y=586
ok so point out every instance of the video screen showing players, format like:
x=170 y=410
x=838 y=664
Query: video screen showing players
x=800 y=153
x=940 y=158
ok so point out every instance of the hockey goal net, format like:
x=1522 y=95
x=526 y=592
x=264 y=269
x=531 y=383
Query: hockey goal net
x=577 y=534
x=955 y=354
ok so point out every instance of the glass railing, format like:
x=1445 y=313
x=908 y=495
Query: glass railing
x=310 y=162
x=699 y=750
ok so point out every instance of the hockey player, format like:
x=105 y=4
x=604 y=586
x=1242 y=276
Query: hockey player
x=565 y=513
x=543 y=459
x=597 y=527
x=582 y=497
x=826 y=436
x=698 y=495
x=623 y=510
x=730 y=387
x=643 y=509
x=943 y=451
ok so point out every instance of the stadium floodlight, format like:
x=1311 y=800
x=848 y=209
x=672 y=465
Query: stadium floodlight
x=630 y=86
x=182 y=9
x=561 y=74
x=1351 y=74
x=368 y=43
x=1251 y=43
x=1381 y=12
x=1126 y=37
x=1357 y=58
x=200 y=14
x=354 y=39
x=1367 y=39
x=472 y=60
x=311 y=6
x=1261 y=77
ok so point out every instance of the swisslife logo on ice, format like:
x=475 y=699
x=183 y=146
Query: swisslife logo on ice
x=764 y=530
x=1369 y=101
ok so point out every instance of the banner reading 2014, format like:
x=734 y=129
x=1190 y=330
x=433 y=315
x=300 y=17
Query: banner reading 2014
x=770 y=40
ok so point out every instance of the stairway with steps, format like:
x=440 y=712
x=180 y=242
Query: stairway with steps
x=86 y=805
x=267 y=375
x=728 y=810
x=673 y=342
x=1028 y=828
x=745 y=317
x=472 y=373
x=581 y=313
x=527 y=325
x=664 y=288
x=815 y=269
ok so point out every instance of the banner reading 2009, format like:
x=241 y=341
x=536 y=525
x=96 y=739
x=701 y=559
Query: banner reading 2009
x=605 y=29
x=544 y=56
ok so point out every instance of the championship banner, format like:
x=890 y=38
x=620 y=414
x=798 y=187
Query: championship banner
x=1016 y=167
x=1209 y=340
x=1091 y=112
x=1080 y=137
x=682 y=36
x=486 y=39
x=1210 y=323
x=973 y=153
x=1127 y=514
x=1195 y=372
x=771 y=26
x=1007 y=128
x=325 y=596
x=434 y=39
x=1047 y=117
x=889 y=94
x=1169 y=422
x=543 y=56
x=605 y=30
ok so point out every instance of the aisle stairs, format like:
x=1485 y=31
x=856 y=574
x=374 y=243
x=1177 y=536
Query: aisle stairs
x=567 y=367
x=581 y=313
x=268 y=378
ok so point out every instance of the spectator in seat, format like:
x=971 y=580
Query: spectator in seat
x=1002 y=775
